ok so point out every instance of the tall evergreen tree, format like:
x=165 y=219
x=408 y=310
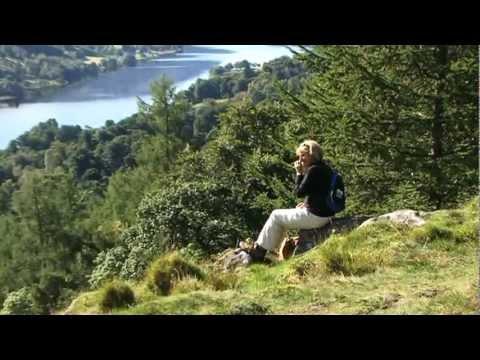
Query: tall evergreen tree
x=400 y=121
x=48 y=245
x=167 y=112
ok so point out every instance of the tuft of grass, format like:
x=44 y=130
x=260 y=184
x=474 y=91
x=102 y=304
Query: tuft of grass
x=446 y=229
x=299 y=269
x=303 y=267
x=221 y=281
x=168 y=270
x=85 y=303
x=116 y=294
x=378 y=303
x=187 y=285
x=259 y=276
x=467 y=232
x=249 y=307
x=195 y=302
x=360 y=252
x=456 y=302
x=471 y=207
x=432 y=232
x=452 y=302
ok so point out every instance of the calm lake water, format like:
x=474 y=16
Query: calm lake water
x=113 y=96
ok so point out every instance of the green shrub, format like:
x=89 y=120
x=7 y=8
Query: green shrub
x=199 y=213
x=192 y=252
x=129 y=259
x=116 y=294
x=19 y=302
x=169 y=269
x=108 y=265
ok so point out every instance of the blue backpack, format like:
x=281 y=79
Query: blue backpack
x=336 y=196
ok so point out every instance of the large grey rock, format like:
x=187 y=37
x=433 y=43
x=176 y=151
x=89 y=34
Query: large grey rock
x=405 y=217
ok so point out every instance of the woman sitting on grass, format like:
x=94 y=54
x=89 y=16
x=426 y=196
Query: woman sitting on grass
x=312 y=182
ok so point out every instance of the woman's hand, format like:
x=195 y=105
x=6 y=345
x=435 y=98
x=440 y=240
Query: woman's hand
x=298 y=167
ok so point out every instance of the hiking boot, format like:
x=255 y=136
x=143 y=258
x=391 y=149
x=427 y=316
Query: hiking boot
x=257 y=253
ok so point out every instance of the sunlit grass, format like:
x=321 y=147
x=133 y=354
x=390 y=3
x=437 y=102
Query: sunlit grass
x=379 y=269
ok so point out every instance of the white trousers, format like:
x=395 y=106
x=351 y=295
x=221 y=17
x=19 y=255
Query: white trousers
x=281 y=220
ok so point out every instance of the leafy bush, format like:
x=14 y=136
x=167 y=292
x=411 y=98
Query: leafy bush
x=108 y=264
x=192 y=252
x=129 y=259
x=204 y=213
x=19 y=302
x=116 y=294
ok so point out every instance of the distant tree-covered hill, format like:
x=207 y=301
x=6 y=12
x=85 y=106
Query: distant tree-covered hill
x=27 y=71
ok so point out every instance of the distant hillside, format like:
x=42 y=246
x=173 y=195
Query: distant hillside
x=28 y=71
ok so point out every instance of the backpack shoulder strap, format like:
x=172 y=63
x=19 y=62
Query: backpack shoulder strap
x=334 y=178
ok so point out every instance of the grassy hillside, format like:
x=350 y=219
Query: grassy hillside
x=379 y=269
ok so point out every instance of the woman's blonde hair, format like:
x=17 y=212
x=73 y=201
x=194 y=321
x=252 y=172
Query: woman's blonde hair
x=312 y=147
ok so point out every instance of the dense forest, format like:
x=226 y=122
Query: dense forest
x=197 y=170
x=28 y=71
